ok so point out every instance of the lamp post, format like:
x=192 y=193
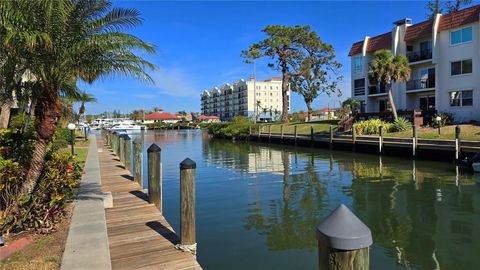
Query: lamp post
x=71 y=126
x=438 y=119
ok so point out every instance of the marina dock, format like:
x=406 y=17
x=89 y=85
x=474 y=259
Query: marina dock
x=139 y=236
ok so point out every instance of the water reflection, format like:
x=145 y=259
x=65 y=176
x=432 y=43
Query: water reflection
x=423 y=215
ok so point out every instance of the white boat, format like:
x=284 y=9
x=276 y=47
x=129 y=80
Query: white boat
x=476 y=167
x=127 y=127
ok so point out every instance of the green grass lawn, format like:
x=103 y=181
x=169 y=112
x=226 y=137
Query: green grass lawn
x=468 y=132
x=81 y=151
x=319 y=128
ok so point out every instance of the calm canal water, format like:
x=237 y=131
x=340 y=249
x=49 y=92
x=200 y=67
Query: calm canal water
x=258 y=204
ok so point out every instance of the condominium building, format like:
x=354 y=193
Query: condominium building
x=239 y=98
x=444 y=57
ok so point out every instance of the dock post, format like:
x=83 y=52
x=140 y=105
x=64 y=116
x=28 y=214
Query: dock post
x=281 y=132
x=121 y=148
x=311 y=133
x=86 y=137
x=331 y=136
x=155 y=176
x=457 y=143
x=187 y=206
x=354 y=137
x=380 y=140
x=269 y=132
x=137 y=162
x=343 y=241
x=128 y=154
x=259 y=127
x=250 y=130
x=295 y=134
x=414 y=141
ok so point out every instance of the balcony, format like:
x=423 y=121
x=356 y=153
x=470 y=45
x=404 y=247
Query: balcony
x=420 y=84
x=377 y=89
x=419 y=55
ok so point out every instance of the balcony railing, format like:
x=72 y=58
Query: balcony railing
x=376 y=89
x=420 y=84
x=419 y=55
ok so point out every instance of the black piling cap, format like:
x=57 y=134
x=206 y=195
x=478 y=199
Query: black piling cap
x=154 y=148
x=115 y=132
x=126 y=137
x=187 y=164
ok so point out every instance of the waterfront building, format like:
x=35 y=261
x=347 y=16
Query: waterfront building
x=163 y=117
x=444 y=57
x=208 y=119
x=239 y=98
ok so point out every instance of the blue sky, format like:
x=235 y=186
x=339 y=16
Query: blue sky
x=199 y=44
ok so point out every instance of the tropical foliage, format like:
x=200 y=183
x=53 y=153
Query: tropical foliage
x=318 y=72
x=371 y=126
x=386 y=68
x=287 y=47
x=61 y=42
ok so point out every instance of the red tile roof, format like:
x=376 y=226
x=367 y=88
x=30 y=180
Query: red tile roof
x=208 y=117
x=383 y=41
x=419 y=30
x=459 y=18
x=328 y=110
x=356 y=48
x=160 y=116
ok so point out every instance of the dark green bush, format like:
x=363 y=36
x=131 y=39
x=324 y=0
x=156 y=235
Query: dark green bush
x=231 y=130
x=447 y=119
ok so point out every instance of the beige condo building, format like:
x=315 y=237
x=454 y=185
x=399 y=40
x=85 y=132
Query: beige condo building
x=239 y=98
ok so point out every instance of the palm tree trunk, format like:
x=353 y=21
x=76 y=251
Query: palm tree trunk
x=392 y=104
x=47 y=112
x=5 y=114
x=285 y=101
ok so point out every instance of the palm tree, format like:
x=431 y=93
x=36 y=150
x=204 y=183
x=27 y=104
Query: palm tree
x=85 y=98
x=386 y=68
x=62 y=42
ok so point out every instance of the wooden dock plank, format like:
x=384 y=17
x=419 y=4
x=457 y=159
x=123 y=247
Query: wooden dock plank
x=139 y=236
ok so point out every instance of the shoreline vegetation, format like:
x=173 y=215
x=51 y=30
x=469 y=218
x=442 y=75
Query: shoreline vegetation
x=240 y=130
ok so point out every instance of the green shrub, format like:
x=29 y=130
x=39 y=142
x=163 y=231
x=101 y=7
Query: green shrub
x=231 y=130
x=447 y=119
x=61 y=139
x=43 y=208
x=371 y=126
x=401 y=124
x=17 y=146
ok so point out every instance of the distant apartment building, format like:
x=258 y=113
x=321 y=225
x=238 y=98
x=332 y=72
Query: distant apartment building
x=241 y=97
x=444 y=57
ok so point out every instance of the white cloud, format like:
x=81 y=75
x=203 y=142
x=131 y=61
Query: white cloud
x=175 y=82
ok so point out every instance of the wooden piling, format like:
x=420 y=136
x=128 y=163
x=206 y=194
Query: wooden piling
x=295 y=133
x=281 y=132
x=354 y=134
x=187 y=204
x=380 y=140
x=331 y=136
x=414 y=141
x=155 y=176
x=269 y=132
x=311 y=134
x=457 y=143
x=128 y=153
x=343 y=241
x=121 y=154
x=137 y=162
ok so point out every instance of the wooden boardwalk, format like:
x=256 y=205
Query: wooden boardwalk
x=139 y=236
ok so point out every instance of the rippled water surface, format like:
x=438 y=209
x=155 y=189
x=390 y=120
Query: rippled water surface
x=258 y=204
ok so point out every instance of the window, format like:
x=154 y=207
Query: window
x=357 y=63
x=461 y=98
x=461 y=67
x=460 y=36
x=359 y=87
